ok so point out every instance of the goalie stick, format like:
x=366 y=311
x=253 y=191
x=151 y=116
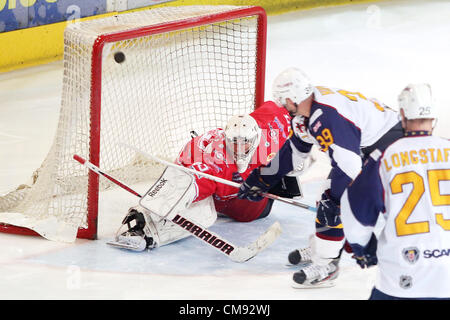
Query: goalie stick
x=235 y=253
x=220 y=180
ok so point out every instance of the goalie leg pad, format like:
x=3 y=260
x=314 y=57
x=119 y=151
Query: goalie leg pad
x=151 y=230
x=202 y=212
x=172 y=193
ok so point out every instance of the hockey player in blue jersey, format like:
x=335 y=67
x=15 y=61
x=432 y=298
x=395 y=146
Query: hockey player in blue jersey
x=408 y=183
x=345 y=125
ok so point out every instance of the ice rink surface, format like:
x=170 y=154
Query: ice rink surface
x=376 y=49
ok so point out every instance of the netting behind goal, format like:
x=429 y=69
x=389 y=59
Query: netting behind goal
x=146 y=79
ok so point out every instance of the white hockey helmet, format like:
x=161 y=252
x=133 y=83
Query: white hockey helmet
x=292 y=83
x=416 y=102
x=242 y=135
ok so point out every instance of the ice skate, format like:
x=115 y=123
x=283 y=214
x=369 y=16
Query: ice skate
x=299 y=256
x=134 y=238
x=316 y=276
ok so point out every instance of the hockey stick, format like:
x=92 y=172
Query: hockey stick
x=235 y=253
x=220 y=180
x=99 y=172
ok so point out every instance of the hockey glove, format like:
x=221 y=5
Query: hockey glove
x=253 y=187
x=366 y=256
x=288 y=187
x=328 y=211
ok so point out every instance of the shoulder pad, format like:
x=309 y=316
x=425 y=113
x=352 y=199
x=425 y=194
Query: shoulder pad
x=300 y=129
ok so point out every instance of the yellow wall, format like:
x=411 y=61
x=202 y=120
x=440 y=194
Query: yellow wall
x=271 y=6
x=43 y=44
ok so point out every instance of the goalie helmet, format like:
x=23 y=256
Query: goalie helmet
x=242 y=135
x=292 y=83
x=416 y=102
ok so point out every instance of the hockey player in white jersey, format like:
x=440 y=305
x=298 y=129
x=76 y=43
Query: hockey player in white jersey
x=345 y=125
x=410 y=184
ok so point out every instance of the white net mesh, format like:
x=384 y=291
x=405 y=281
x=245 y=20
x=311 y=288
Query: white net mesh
x=168 y=84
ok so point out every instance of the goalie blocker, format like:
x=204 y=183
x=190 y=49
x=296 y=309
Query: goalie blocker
x=246 y=211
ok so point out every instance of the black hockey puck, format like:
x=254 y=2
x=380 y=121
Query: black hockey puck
x=119 y=57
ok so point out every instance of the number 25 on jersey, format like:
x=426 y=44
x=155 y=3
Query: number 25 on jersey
x=434 y=177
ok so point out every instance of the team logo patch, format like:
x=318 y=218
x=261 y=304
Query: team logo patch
x=317 y=126
x=271 y=156
x=405 y=282
x=301 y=127
x=219 y=155
x=273 y=134
x=411 y=254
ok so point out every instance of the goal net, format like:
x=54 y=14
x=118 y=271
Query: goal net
x=147 y=79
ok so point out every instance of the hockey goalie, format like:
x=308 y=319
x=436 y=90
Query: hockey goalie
x=247 y=142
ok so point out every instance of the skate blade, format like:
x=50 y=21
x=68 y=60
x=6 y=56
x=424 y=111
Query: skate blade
x=299 y=265
x=326 y=284
x=122 y=245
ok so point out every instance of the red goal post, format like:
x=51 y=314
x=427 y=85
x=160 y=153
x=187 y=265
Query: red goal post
x=194 y=66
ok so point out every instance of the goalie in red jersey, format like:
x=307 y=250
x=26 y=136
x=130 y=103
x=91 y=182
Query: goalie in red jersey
x=247 y=142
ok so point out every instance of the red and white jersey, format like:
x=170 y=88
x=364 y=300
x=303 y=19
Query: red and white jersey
x=207 y=153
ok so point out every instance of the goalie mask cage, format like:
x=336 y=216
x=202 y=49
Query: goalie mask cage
x=145 y=78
